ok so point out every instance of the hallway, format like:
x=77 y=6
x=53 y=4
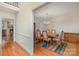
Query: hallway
x=13 y=49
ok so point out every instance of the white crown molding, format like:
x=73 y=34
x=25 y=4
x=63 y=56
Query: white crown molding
x=9 y=7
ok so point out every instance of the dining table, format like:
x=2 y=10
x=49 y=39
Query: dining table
x=52 y=38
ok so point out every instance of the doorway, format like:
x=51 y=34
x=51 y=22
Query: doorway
x=7 y=31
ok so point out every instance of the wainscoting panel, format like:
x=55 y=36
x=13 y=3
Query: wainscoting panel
x=72 y=37
x=25 y=41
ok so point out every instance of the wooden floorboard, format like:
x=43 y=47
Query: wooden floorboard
x=71 y=50
x=40 y=51
x=14 y=49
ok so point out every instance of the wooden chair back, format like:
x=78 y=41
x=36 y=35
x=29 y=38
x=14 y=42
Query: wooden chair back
x=38 y=34
x=61 y=36
x=45 y=35
x=53 y=32
x=48 y=31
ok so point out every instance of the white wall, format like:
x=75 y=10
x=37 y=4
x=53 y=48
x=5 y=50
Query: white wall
x=63 y=16
x=8 y=15
x=24 y=25
x=39 y=23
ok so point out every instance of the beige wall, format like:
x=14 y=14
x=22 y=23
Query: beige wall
x=24 y=25
x=68 y=23
x=63 y=16
x=8 y=15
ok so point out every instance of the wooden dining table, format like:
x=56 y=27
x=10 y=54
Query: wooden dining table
x=52 y=38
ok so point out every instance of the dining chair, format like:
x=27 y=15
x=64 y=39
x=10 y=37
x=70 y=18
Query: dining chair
x=45 y=37
x=48 y=31
x=55 y=36
x=59 y=38
x=38 y=34
x=53 y=32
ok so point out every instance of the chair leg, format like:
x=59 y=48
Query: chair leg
x=48 y=43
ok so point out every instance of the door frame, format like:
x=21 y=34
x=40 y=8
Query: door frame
x=13 y=26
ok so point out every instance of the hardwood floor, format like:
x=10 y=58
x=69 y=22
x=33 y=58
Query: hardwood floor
x=13 y=49
x=40 y=51
x=71 y=50
x=73 y=45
